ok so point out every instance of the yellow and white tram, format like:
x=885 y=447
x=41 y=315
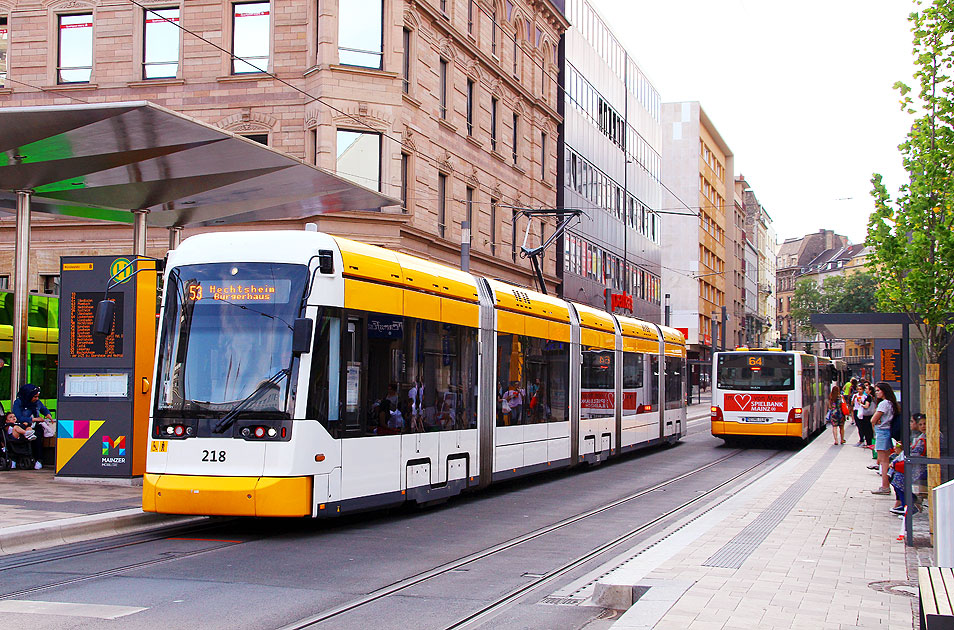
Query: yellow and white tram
x=770 y=393
x=302 y=374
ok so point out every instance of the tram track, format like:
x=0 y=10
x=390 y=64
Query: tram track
x=510 y=597
x=78 y=550
x=117 y=545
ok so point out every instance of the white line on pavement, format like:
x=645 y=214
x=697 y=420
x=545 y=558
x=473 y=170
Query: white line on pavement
x=67 y=609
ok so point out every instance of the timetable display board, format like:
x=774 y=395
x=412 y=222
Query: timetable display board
x=103 y=391
x=83 y=342
x=890 y=365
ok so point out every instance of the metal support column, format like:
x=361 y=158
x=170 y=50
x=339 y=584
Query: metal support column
x=139 y=232
x=905 y=418
x=21 y=292
x=465 y=244
x=175 y=237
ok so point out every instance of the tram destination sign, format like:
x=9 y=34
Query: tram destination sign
x=276 y=290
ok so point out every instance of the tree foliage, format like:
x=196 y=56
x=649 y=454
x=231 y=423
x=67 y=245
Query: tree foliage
x=854 y=293
x=912 y=236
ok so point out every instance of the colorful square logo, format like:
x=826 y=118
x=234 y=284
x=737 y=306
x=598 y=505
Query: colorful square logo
x=118 y=444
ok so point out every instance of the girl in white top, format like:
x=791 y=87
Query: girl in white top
x=888 y=409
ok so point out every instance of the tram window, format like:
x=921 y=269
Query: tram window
x=533 y=380
x=352 y=376
x=597 y=382
x=654 y=381
x=632 y=370
x=405 y=375
x=326 y=361
x=675 y=371
x=633 y=382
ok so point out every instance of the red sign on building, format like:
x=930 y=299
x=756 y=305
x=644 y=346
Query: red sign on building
x=621 y=300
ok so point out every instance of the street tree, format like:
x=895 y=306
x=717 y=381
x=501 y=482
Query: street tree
x=853 y=293
x=912 y=235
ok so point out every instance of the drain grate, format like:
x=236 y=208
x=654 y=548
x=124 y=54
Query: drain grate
x=737 y=550
x=562 y=601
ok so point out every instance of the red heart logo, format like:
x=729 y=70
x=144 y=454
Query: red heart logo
x=743 y=400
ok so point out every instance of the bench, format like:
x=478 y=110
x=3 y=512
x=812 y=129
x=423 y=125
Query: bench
x=936 y=587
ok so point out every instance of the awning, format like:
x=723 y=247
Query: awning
x=864 y=325
x=102 y=161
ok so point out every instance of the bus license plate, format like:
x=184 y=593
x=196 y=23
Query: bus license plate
x=756 y=419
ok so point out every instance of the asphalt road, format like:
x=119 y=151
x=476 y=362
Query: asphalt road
x=274 y=573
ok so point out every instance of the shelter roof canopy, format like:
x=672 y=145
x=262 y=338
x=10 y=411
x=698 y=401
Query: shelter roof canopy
x=102 y=161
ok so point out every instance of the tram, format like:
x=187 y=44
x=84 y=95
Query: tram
x=770 y=393
x=304 y=374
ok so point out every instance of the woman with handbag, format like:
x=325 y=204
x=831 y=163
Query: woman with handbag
x=836 y=415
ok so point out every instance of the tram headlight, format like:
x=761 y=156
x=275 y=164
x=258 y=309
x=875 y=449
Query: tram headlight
x=179 y=430
x=246 y=432
x=170 y=429
x=272 y=432
x=259 y=432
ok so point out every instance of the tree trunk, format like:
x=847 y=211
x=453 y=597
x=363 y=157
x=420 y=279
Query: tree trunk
x=932 y=408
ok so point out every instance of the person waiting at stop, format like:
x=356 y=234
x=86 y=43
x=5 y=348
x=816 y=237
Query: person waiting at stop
x=26 y=408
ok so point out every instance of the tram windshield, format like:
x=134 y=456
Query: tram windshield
x=226 y=339
x=756 y=372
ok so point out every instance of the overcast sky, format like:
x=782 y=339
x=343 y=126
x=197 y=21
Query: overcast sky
x=802 y=93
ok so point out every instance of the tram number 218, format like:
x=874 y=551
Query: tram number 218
x=213 y=456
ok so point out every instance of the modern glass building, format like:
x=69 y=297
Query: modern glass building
x=610 y=152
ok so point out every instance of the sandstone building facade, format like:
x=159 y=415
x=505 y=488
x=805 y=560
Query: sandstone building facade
x=448 y=105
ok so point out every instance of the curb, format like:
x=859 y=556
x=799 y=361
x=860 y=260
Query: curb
x=36 y=536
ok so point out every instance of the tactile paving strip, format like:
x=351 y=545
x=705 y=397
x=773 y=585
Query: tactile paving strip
x=737 y=550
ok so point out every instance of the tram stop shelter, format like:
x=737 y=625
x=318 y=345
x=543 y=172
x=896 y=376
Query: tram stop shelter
x=142 y=164
x=900 y=327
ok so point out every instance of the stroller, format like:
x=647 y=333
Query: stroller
x=15 y=453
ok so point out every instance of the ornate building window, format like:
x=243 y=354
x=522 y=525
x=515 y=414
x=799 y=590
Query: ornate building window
x=359 y=157
x=160 y=56
x=250 y=37
x=361 y=33
x=75 y=50
x=4 y=38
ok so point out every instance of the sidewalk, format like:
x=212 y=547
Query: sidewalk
x=38 y=511
x=805 y=546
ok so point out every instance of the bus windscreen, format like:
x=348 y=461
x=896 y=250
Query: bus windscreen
x=756 y=372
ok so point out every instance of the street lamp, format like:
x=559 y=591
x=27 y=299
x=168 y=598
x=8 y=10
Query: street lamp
x=667 y=311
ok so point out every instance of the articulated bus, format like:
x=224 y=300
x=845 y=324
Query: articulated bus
x=302 y=374
x=770 y=393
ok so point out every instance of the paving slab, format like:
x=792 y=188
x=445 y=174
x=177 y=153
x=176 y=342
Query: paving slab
x=814 y=562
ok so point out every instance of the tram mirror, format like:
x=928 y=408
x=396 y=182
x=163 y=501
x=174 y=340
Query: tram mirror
x=326 y=261
x=103 y=317
x=301 y=336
